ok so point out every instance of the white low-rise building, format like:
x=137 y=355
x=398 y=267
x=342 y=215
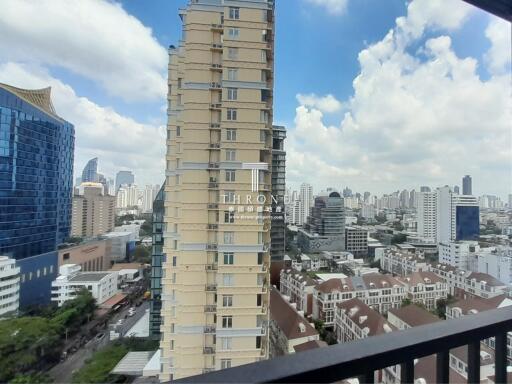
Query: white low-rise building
x=379 y=292
x=299 y=288
x=9 y=286
x=464 y=284
x=102 y=285
x=495 y=261
x=457 y=253
x=425 y=288
x=402 y=263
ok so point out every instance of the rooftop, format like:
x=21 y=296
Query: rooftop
x=39 y=98
x=309 y=345
x=366 y=318
x=421 y=277
x=84 y=277
x=288 y=319
x=414 y=315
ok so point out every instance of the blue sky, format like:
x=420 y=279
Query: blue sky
x=451 y=51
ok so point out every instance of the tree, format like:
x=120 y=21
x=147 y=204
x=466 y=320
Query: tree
x=399 y=238
x=31 y=378
x=441 y=304
x=142 y=254
x=406 y=302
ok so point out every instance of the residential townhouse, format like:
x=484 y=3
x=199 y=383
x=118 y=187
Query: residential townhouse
x=379 y=292
x=465 y=284
x=402 y=263
x=425 y=287
x=299 y=288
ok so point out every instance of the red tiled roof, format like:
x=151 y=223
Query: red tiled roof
x=365 y=317
x=422 y=277
x=287 y=318
x=414 y=316
x=313 y=344
x=478 y=304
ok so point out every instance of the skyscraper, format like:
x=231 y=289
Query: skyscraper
x=148 y=196
x=427 y=215
x=90 y=171
x=215 y=290
x=306 y=196
x=36 y=187
x=277 y=229
x=124 y=177
x=456 y=189
x=467 y=188
x=458 y=216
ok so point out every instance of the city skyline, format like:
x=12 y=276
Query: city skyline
x=335 y=130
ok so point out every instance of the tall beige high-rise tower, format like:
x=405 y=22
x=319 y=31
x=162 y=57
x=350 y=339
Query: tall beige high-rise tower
x=217 y=231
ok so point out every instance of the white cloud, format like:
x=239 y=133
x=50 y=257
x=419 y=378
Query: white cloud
x=119 y=142
x=498 y=58
x=93 y=38
x=411 y=122
x=328 y=104
x=335 y=7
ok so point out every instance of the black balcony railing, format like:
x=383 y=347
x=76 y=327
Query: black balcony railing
x=361 y=358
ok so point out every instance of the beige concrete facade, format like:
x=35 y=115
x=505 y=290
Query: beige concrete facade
x=93 y=212
x=90 y=256
x=215 y=278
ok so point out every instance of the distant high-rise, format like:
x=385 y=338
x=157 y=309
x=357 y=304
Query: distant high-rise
x=424 y=189
x=127 y=196
x=90 y=172
x=36 y=159
x=124 y=177
x=467 y=188
x=456 y=189
x=148 y=196
x=306 y=197
x=458 y=216
x=93 y=211
x=427 y=215
x=347 y=192
x=404 y=199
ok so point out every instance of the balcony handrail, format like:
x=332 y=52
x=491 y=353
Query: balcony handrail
x=362 y=357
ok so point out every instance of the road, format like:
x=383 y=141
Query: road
x=63 y=371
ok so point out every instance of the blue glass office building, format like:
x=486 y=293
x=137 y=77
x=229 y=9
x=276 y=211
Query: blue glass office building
x=90 y=172
x=36 y=170
x=467 y=221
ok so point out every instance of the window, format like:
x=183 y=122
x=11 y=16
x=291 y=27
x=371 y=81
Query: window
x=260 y=237
x=66 y=256
x=234 y=13
x=232 y=53
x=229 y=258
x=229 y=197
x=226 y=342
x=231 y=134
x=258 y=300
x=174 y=260
x=227 y=300
x=234 y=33
x=258 y=342
x=260 y=258
x=263 y=135
x=178 y=131
x=264 y=116
x=229 y=217
x=232 y=93
x=230 y=155
x=229 y=237
x=231 y=114
x=263 y=56
x=179 y=82
x=227 y=321
x=264 y=76
x=233 y=74
x=227 y=279
x=230 y=175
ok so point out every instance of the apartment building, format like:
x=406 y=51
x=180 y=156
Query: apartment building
x=465 y=284
x=9 y=286
x=356 y=241
x=93 y=212
x=425 y=287
x=277 y=229
x=299 y=288
x=402 y=263
x=427 y=215
x=91 y=255
x=379 y=292
x=217 y=192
